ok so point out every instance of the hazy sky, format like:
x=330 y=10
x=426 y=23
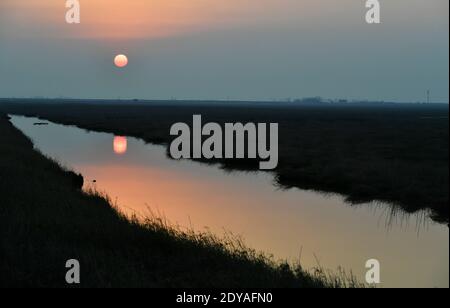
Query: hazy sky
x=217 y=49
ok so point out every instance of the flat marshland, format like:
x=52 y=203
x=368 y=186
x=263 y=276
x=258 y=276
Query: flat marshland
x=45 y=219
x=394 y=153
x=397 y=154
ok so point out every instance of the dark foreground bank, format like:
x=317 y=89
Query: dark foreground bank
x=45 y=219
x=396 y=153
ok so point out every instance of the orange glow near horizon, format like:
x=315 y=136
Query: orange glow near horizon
x=120 y=145
x=140 y=19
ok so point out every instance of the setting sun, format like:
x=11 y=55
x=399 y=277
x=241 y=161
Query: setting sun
x=121 y=61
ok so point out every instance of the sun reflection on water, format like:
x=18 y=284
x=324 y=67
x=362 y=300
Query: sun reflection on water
x=120 y=145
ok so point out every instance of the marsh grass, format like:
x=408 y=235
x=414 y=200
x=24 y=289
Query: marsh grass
x=234 y=246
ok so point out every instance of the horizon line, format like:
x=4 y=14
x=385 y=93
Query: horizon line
x=304 y=100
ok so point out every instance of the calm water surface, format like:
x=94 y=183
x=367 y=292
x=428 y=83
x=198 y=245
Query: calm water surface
x=290 y=224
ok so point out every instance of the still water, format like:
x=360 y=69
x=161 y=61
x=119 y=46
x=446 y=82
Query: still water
x=290 y=224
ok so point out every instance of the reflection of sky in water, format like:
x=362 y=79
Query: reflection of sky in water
x=282 y=222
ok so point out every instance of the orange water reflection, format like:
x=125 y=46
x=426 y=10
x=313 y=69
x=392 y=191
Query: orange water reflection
x=290 y=224
x=120 y=145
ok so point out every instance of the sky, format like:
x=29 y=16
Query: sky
x=233 y=49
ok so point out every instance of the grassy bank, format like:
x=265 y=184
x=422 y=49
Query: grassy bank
x=45 y=219
x=397 y=153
